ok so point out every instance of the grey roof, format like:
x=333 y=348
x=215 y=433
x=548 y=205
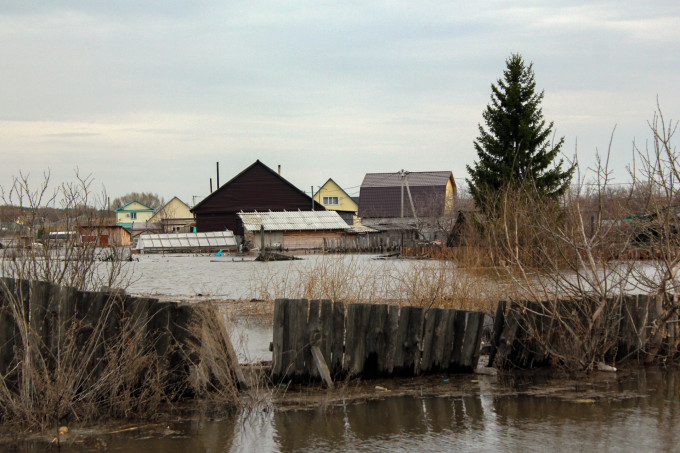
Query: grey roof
x=174 y=241
x=292 y=221
x=360 y=229
x=414 y=178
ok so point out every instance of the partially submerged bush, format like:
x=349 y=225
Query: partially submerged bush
x=108 y=357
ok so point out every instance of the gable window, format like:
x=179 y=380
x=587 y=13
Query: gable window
x=330 y=200
x=133 y=215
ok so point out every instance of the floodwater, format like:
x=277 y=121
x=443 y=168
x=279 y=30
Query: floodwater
x=636 y=411
x=633 y=411
x=232 y=277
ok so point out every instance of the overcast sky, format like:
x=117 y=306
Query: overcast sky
x=148 y=95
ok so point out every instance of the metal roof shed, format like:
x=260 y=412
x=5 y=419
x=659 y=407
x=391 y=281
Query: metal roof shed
x=293 y=230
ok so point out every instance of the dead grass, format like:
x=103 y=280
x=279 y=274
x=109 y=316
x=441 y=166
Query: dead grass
x=111 y=368
x=350 y=279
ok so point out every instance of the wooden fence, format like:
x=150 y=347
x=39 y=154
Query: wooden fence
x=370 y=340
x=521 y=330
x=51 y=312
x=365 y=243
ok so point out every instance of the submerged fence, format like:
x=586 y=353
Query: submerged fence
x=524 y=332
x=39 y=318
x=312 y=337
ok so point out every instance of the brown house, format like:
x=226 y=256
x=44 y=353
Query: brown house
x=105 y=235
x=433 y=193
x=386 y=201
x=257 y=188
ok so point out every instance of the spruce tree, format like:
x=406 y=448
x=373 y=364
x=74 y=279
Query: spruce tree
x=515 y=148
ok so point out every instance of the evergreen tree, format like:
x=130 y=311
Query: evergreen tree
x=515 y=149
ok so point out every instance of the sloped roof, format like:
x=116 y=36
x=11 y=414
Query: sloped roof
x=175 y=241
x=337 y=185
x=414 y=178
x=244 y=172
x=360 y=229
x=292 y=221
x=122 y=208
x=381 y=194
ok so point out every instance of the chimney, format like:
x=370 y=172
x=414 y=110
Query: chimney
x=217 y=164
x=279 y=169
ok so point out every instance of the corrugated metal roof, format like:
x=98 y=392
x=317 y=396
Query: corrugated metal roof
x=174 y=241
x=414 y=178
x=292 y=221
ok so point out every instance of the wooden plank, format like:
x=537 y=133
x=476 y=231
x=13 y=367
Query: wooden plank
x=459 y=327
x=507 y=338
x=299 y=322
x=358 y=316
x=498 y=322
x=322 y=368
x=472 y=340
x=278 y=340
x=312 y=337
x=439 y=341
x=432 y=318
x=409 y=333
x=337 y=348
x=326 y=326
x=376 y=326
x=350 y=338
x=290 y=340
x=448 y=339
x=391 y=328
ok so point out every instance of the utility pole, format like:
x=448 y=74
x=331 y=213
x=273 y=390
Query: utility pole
x=402 y=173
x=312 y=192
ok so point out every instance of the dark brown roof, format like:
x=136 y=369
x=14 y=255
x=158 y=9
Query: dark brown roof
x=257 y=188
x=414 y=178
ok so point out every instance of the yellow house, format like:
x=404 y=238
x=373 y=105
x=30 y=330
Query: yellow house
x=133 y=212
x=334 y=198
x=174 y=217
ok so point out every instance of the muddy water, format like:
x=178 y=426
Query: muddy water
x=636 y=412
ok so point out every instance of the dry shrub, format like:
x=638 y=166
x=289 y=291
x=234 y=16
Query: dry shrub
x=112 y=367
x=443 y=284
x=431 y=283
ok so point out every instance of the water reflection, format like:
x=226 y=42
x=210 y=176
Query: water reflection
x=638 y=413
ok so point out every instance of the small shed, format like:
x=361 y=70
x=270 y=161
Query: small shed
x=293 y=230
x=105 y=235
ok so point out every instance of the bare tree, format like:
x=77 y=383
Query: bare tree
x=61 y=257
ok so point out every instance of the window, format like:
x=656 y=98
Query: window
x=133 y=215
x=330 y=200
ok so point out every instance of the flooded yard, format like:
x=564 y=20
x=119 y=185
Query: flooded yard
x=634 y=410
